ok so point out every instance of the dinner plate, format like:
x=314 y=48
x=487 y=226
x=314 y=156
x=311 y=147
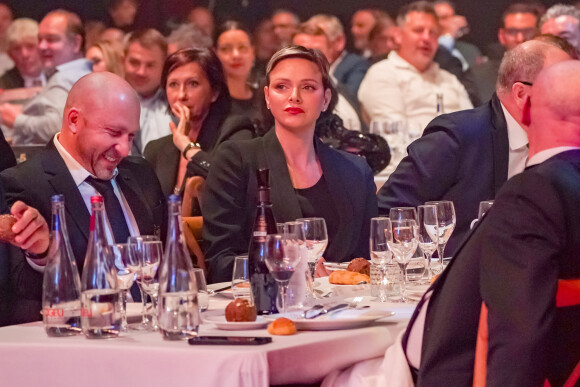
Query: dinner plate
x=346 y=319
x=333 y=266
x=220 y=285
x=222 y=323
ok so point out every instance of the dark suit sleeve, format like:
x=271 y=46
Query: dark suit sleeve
x=356 y=75
x=427 y=172
x=225 y=212
x=519 y=272
x=371 y=211
x=7 y=158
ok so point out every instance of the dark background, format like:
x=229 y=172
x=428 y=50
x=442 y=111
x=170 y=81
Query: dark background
x=482 y=15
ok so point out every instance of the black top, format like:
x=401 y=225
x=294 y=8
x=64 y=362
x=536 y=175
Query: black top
x=314 y=203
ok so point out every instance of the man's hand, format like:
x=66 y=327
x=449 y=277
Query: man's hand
x=320 y=270
x=30 y=228
x=8 y=114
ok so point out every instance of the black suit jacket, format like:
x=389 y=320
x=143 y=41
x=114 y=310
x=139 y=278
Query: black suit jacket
x=512 y=261
x=11 y=79
x=165 y=157
x=7 y=158
x=351 y=70
x=35 y=181
x=229 y=203
x=462 y=157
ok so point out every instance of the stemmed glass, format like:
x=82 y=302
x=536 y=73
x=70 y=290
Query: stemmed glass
x=125 y=277
x=428 y=233
x=301 y=285
x=380 y=254
x=316 y=240
x=402 y=241
x=403 y=213
x=446 y=220
x=282 y=256
x=150 y=259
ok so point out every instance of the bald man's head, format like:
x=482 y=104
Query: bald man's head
x=101 y=116
x=552 y=111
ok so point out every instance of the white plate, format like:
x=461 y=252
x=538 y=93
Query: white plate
x=222 y=323
x=347 y=319
x=332 y=266
x=220 y=285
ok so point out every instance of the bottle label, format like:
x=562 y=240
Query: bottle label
x=260 y=233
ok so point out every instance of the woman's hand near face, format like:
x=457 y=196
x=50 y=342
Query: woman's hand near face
x=181 y=131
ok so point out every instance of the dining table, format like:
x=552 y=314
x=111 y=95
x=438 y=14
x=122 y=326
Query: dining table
x=142 y=358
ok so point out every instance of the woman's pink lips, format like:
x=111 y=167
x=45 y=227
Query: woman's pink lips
x=294 y=110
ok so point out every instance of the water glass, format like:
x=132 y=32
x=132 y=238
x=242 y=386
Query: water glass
x=316 y=238
x=241 y=279
x=202 y=293
x=380 y=254
x=415 y=269
x=125 y=277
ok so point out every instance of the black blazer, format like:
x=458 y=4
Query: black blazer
x=351 y=70
x=11 y=79
x=7 y=158
x=36 y=180
x=165 y=157
x=462 y=157
x=229 y=203
x=512 y=261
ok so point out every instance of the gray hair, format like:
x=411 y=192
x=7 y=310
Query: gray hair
x=20 y=29
x=330 y=24
x=189 y=36
x=522 y=64
x=560 y=10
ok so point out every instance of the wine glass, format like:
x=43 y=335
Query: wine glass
x=380 y=254
x=125 y=277
x=282 y=256
x=241 y=279
x=300 y=285
x=402 y=241
x=403 y=213
x=150 y=258
x=135 y=252
x=446 y=220
x=316 y=240
x=428 y=233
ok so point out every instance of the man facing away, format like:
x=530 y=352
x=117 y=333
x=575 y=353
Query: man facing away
x=61 y=38
x=89 y=156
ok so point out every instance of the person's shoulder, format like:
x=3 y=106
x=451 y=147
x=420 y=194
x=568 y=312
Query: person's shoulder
x=345 y=160
x=469 y=120
x=355 y=60
x=154 y=146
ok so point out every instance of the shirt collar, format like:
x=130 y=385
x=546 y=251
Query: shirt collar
x=151 y=100
x=402 y=63
x=517 y=136
x=72 y=64
x=546 y=154
x=77 y=171
x=335 y=64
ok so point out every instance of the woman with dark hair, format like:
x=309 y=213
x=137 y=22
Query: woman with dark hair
x=198 y=97
x=307 y=177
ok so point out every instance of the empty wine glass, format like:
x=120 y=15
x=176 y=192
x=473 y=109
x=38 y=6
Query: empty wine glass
x=125 y=277
x=446 y=220
x=402 y=240
x=380 y=253
x=241 y=279
x=150 y=259
x=300 y=285
x=316 y=240
x=428 y=233
x=282 y=256
x=135 y=252
x=403 y=213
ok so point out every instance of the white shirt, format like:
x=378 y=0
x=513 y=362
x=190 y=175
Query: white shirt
x=394 y=90
x=155 y=118
x=79 y=175
x=518 y=143
x=544 y=155
x=347 y=113
x=30 y=81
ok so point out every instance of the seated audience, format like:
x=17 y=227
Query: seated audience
x=505 y=310
x=285 y=24
x=362 y=23
x=145 y=52
x=107 y=56
x=22 y=39
x=88 y=156
x=265 y=45
x=187 y=36
x=5 y=21
x=405 y=86
x=202 y=18
x=467 y=156
x=518 y=25
x=122 y=13
x=60 y=37
x=304 y=173
x=382 y=39
x=563 y=21
x=198 y=97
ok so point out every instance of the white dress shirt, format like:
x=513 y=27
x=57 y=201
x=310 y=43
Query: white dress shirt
x=544 y=155
x=155 y=118
x=518 y=143
x=394 y=90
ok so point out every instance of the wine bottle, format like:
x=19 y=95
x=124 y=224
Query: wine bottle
x=100 y=310
x=178 y=312
x=61 y=287
x=264 y=286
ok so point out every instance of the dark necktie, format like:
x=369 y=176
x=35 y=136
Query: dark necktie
x=113 y=208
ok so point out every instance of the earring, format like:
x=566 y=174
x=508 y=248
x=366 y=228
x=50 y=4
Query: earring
x=268 y=107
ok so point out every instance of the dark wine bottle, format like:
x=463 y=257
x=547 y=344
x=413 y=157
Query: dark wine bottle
x=264 y=286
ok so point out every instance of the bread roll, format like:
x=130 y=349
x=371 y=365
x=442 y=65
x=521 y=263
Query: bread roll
x=360 y=265
x=282 y=326
x=240 y=310
x=345 y=277
x=6 y=223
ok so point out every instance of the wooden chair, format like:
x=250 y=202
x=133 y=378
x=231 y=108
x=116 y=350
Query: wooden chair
x=192 y=224
x=192 y=195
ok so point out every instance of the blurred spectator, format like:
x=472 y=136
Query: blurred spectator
x=145 y=53
x=559 y=42
x=563 y=21
x=107 y=56
x=122 y=13
x=203 y=19
x=405 y=86
x=518 y=25
x=187 y=36
x=363 y=22
x=93 y=31
x=22 y=38
x=265 y=45
x=453 y=28
x=5 y=20
x=61 y=42
x=113 y=35
x=382 y=39
x=285 y=26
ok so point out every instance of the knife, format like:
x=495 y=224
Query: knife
x=327 y=310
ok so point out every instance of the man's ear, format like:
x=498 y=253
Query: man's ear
x=526 y=116
x=73 y=119
x=520 y=93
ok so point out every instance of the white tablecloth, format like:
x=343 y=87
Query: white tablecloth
x=29 y=358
